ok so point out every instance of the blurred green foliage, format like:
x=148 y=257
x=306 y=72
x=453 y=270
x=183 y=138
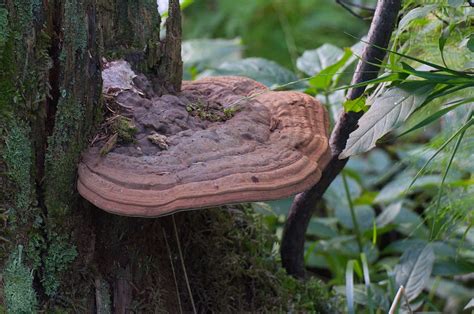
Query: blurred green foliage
x=274 y=29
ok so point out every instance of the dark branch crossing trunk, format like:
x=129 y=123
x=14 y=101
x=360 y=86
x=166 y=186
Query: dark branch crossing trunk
x=304 y=205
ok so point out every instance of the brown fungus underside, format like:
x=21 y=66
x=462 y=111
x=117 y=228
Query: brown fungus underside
x=222 y=140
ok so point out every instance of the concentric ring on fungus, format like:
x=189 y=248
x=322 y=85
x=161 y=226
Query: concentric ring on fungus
x=273 y=146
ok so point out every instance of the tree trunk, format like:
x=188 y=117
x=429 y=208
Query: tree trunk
x=50 y=97
x=58 y=253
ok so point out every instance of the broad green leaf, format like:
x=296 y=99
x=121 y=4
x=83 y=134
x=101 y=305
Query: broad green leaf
x=205 y=53
x=455 y=3
x=321 y=229
x=397 y=187
x=264 y=71
x=450 y=289
x=335 y=195
x=355 y=105
x=415 y=14
x=452 y=267
x=389 y=214
x=386 y=112
x=414 y=269
x=314 y=61
x=470 y=43
x=322 y=80
x=365 y=216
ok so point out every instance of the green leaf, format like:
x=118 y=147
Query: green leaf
x=264 y=71
x=470 y=43
x=452 y=267
x=365 y=216
x=314 y=61
x=455 y=3
x=387 y=111
x=323 y=80
x=389 y=214
x=355 y=105
x=205 y=53
x=350 y=286
x=437 y=115
x=414 y=269
x=470 y=305
x=443 y=38
x=415 y=14
x=401 y=184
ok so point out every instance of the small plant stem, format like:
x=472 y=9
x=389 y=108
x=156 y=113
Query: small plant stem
x=396 y=301
x=182 y=265
x=172 y=269
x=353 y=215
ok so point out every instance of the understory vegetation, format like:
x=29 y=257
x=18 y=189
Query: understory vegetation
x=401 y=212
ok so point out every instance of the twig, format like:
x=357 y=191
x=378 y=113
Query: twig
x=396 y=300
x=182 y=265
x=347 y=5
x=292 y=246
x=172 y=269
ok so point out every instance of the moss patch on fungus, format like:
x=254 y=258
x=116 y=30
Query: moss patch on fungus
x=125 y=129
x=20 y=296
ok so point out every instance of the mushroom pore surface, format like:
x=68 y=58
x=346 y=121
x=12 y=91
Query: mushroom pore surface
x=222 y=140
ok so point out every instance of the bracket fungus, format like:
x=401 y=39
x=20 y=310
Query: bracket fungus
x=222 y=140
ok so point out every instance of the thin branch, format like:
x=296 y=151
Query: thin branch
x=348 y=6
x=292 y=246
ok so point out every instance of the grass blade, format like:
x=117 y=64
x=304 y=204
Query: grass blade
x=350 y=286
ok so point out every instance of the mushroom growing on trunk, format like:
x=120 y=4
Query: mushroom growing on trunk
x=221 y=140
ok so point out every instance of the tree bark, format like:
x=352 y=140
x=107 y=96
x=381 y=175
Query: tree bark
x=292 y=246
x=50 y=103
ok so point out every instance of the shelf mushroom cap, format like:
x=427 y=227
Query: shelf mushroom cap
x=273 y=146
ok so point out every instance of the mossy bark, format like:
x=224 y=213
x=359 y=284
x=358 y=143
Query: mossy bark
x=50 y=102
x=81 y=258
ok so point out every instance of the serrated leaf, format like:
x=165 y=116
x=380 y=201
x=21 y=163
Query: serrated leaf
x=355 y=105
x=414 y=269
x=386 y=112
x=415 y=14
x=205 y=53
x=264 y=71
x=314 y=61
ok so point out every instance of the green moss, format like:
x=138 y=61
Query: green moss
x=60 y=255
x=20 y=296
x=64 y=148
x=125 y=129
x=75 y=27
x=18 y=156
x=24 y=15
x=3 y=27
x=238 y=270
